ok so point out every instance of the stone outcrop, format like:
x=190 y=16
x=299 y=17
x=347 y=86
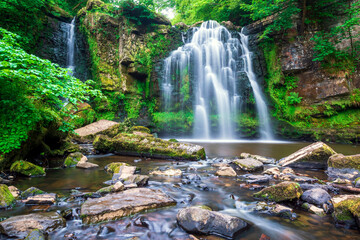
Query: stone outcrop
x=20 y=226
x=117 y=205
x=284 y=191
x=317 y=152
x=203 y=221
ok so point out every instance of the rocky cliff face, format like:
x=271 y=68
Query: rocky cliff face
x=329 y=97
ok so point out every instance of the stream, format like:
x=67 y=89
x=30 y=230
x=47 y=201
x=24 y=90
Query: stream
x=221 y=194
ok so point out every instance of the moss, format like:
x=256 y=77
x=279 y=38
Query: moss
x=140 y=129
x=27 y=168
x=346 y=210
x=105 y=190
x=174 y=123
x=115 y=167
x=72 y=159
x=341 y=161
x=31 y=192
x=6 y=198
x=281 y=192
x=173 y=140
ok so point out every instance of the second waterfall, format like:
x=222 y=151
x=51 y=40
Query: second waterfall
x=207 y=73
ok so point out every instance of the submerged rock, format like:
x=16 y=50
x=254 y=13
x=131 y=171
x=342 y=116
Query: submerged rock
x=118 y=205
x=346 y=209
x=316 y=196
x=316 y=152
x=73 y=158
x=21 y=226
x=226 y=172
x=249 y=164
x=281 y=192
x=203 y=221
x=6 y=197
x=146 y=145
x=341 y=161
x=265 y=160
x=27 y=168
x=47 y=199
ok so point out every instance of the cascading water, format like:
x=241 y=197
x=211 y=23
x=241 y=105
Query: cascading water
x=205 y=73
x=265 y=127
x=71 y=47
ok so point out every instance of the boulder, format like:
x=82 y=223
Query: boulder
x=316 y=196
x=27 y=168
x=316 y=152
x=226 y=172
x=20 y=226
x=272 y=171
x=14 y=191
x=341 y=161
x=203 y=221
x=284 y=191
x=32 y=191
x=94 y=128
x=139 y=180
x=313 y=209
x=249 y=164
x=83 y=163
x=275 y=210
x=346 y=209
x=73 y=158
x=146 y=145
x=117 y=205
x=47 y=199
x=168 y=172
x=265 y=160
x=250 y=178
x=114 y=167
x=117 y=187
x=35 y=234
x=307 y=186
x=6 y=198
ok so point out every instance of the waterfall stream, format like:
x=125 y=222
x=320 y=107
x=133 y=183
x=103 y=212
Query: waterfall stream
x=71 y=47
x=205 y=75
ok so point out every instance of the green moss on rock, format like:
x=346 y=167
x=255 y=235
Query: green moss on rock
x=140 y=129
x=347 y=210
x=27 y=168
x=73 y=159
x=6 y=198
x=341 y=161
x=114 y=167
x=284 y=191
x=32 y=191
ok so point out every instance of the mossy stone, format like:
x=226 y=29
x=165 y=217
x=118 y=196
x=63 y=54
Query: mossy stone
x=27 y=168
x=35 y=234
x=346 y=210
x=284 y=191
x=73 y=159
x=114 y=167
x=341 y=161
x=6 y=198
x=32 y=191
x=140 y=129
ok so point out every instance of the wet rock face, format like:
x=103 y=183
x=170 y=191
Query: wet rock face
x=199 y=220
x=316 y=152
x=284 y=191
x=341 y=161
x=21 y=226
x=117 y=205
x=295 y=56
x=316 y=196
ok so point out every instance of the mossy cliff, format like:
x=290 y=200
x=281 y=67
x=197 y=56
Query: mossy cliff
x=126 y=44
x=311 y=99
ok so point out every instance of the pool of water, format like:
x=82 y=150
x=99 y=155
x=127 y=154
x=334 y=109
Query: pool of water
x=224 y=195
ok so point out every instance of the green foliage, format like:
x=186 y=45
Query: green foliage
x=247 y=125
x=293 y=98
x=174 y=122
x=32 y=90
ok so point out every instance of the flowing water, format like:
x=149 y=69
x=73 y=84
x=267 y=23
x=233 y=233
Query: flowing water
x=206 y=74
x=71 y=47
x=224 y=195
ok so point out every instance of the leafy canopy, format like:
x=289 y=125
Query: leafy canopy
x=32 y=90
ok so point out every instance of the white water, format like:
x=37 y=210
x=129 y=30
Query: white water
x=208 y=65
x=265 y=128
x=71 y=47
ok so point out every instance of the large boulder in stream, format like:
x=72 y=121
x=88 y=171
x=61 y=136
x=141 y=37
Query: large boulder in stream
x=347 y=210
x=73 y=158
x=21 y=226
x=118 y=205
x=143 y=144
x=280 y=192
x=27 y=168
x=317 y=196
x=317 y=153
x=342 y=162
x=203 y=221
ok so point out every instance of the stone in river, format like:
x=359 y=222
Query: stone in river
x=249 y=164
x=316 y=152
x=6 y=197
x=47 y=198
x=265 y=160
x=20 y=226
x=118 y=205
x=203 y=221
x=251 y=178
x=167 y=172
x=14 y=191
x=284 y=191
x=346 y=210
x=35 y=235
x=83 y=163
x=341 y=161
x=226 y=172
x=316 y=196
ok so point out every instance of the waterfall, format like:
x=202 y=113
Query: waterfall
x=264 y=119
x=207 y=68
x=71 y=47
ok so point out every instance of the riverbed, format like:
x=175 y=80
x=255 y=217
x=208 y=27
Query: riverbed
x=221 y=194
